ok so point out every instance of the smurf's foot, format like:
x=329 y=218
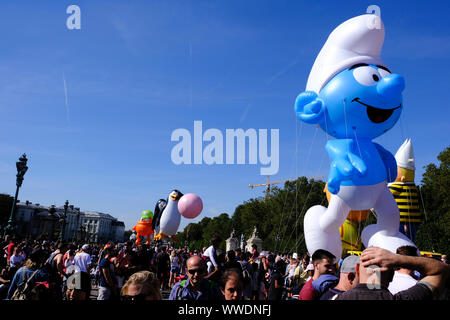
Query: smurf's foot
x=372 y=237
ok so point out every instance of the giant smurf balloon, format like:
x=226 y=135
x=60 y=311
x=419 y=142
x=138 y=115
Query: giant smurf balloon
x=170 y=217
x=353 y=96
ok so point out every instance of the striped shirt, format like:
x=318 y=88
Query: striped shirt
x=407 y=197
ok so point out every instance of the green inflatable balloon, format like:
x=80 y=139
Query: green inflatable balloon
x=147 y=214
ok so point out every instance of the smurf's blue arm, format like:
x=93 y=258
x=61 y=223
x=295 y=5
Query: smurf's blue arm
x=344 y=163
x=389 y=163
x=340 y=168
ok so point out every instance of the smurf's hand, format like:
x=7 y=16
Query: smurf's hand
x=309 y=108
x=357 y=163
x=344 y=164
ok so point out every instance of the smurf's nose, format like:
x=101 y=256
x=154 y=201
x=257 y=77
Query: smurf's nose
x=391 y=86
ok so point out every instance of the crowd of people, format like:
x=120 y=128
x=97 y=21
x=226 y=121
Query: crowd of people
x=46 y=270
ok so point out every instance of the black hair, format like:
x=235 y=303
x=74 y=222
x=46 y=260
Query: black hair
x=231 y=255
x=322 y=254
x=215 y=240
x=227 y=274
x=280 y=266
x=407 y=251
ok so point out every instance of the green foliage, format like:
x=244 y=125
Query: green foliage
x=6 y=202
x=127 y=234
x=434 y=232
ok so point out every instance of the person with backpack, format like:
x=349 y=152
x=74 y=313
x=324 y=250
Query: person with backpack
x=27 y=277
x=196 y=287
x=276 y=281
x=108 y=288
x=247 y=272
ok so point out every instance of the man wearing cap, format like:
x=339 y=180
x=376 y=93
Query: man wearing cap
x=405 y=191
x=348 y=278
x=82 y=262
x=376 y=271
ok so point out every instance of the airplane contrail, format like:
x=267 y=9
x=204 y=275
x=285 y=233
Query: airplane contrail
x=67 y=101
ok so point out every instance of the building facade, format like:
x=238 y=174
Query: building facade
x=37 y=221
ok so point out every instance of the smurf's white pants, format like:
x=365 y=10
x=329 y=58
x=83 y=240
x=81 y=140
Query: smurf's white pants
x=321 y=225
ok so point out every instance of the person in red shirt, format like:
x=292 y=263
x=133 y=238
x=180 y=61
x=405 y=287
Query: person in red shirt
x=324 y=263
x=9 y=249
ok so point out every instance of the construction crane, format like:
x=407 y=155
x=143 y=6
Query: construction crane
x=268 y=184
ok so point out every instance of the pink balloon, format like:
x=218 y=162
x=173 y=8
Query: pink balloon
x=190 y=205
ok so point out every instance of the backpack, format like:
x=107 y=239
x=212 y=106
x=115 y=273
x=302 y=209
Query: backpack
x=24 y=289
x=246 y=275
x=52 y=267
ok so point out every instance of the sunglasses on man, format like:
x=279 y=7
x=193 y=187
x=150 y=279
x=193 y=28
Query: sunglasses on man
x=198 y=271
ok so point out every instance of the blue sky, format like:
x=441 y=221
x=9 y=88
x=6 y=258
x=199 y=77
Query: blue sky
x=137 y=70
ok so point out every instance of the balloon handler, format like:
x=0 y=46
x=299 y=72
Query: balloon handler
x=144 y=227
x=405 y=191
x=354 y=97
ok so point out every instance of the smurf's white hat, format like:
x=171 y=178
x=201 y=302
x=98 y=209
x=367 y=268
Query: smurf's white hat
x=357 y=40
x=405 y=156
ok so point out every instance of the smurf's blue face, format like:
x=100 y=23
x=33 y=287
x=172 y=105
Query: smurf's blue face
x=362 y=101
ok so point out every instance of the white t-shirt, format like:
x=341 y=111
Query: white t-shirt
x=82 y=261
x=401 y=282
x=210 y=253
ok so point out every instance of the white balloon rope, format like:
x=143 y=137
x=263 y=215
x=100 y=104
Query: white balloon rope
x=360 y=154
x=426 y=219
x=296 y=165
x=348 y=149
x=302 y=236
x=307 y=197
x=320 y=167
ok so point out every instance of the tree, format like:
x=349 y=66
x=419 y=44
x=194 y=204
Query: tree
x=434 y=232
x=6 y=202
x=127 y=234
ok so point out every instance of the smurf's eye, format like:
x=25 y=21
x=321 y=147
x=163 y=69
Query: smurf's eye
x=366 y=75
x=383 y=73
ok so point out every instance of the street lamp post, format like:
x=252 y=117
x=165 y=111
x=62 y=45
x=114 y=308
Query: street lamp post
x=21 y=170
x=63 y=228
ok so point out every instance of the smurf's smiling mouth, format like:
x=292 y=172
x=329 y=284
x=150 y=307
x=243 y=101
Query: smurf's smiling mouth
x=377 y=115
